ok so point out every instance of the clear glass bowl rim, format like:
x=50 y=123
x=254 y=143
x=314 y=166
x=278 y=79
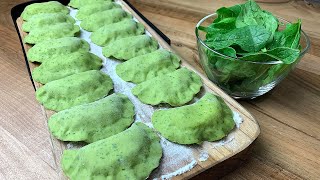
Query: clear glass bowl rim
x=253 y=62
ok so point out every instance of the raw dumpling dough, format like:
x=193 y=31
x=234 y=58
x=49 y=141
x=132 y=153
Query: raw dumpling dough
x=94 y=121
x=112 y=32
x=209 y=119
x=176 y=88
x=74 y=90
x=47 y=50
x=51 y=32
x=131 y=154
x=66 y=65
x=148 y=66
x=99 y=19
x=45 y=20
x=130 y=47
x=81 y=3
x=46 y=7
x=87 y=10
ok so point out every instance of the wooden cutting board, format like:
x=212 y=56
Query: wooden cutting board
x=243 y=136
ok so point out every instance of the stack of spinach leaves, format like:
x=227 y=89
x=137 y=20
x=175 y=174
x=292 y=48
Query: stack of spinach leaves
x=248 y=33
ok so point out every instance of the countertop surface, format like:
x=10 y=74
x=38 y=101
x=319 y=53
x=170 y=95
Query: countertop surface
x=289 y=116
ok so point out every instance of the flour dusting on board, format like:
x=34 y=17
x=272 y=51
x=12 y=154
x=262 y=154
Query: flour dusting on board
x=177 y=159
x=203 y=156
x=237 y=119
x=182 y=170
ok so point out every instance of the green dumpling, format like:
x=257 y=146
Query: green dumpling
x=94 y=121
x=131 y=154
x=209 y=119
x=112 y=32
x=80 y=88
x=176 y=88
x=99 y=19
x=45 y=20
x=66 y=65
x=87 y=10
x=81 y=3
x=41 y=8
x=130 y=47
x=148 y=66
x=51 y=32
x=49 y=49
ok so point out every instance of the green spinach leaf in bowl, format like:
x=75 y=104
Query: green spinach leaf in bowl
x=247 y=33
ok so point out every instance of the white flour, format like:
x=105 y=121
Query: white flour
x=174 y=156
x=182 y=170
x=203 y=156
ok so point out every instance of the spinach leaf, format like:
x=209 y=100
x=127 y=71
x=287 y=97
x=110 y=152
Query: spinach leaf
x=252 y=14
x=221 y=27
x=275 y=71
x=249 y=38
x=229 y=69
x=225 y=25
x=284 y=54
x=249 y=33
x=289 y=37
x=225 y=12
x=229 y=51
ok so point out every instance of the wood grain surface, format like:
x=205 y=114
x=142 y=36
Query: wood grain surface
x=287 y=148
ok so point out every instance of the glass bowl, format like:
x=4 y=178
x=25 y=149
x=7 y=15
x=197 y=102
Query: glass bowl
x=255 y=78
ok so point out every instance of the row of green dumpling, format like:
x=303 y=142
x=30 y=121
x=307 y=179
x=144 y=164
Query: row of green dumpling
x=122 y=39
x=159 y=81
x=94 y=15
x=209 y=119
x=75 y=88
x=85 y=115
x=108 y=22
x=114 y=29
x=47 y=21
x=73 y=164
x=60 y=58
x=103 y=123
x=69 y=72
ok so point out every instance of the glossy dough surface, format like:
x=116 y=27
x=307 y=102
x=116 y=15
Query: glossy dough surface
x=46 y=19
x=87 y=10
x=47 y=50
x=99 y=19
x=51 y=32
x=130 y=47
x=94 y=121
x=45 y=7
x=176 y=88
x=148 y=66
x=112 y=32
x=209 y=119
x=131 y=154
x=74 y=90
x=66 y=65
